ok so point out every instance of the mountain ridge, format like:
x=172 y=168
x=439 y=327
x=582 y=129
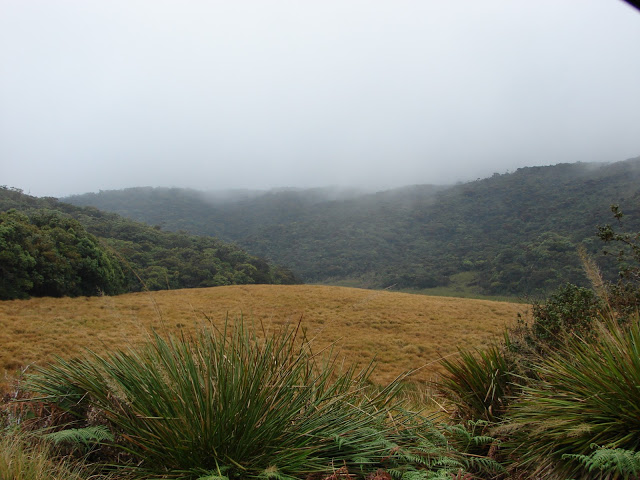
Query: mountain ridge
x=510 y=234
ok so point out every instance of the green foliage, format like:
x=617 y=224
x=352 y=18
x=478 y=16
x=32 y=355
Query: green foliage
x=610 y=463
x=477 y=449
x=17 y=260
x=231 y=403
x=624 y=295
x=574 y=376
x=83 y=438
x=573 y=310
x=480 y=384
x=569 y=310
x=515 y=233
x=628 y=246
x=48 y=254
x=51 y=249
x=22 y=459
x=450 y=451
x=587 y=393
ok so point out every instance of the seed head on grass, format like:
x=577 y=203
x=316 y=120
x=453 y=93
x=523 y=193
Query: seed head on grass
x=23 y=459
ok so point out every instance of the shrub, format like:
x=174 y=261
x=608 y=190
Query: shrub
x=571 y=309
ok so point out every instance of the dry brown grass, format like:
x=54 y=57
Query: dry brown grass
x=401 y=330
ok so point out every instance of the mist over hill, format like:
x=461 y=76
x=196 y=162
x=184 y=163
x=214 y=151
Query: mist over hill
x=509 y=234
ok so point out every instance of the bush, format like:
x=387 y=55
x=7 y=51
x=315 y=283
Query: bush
x=571 y=309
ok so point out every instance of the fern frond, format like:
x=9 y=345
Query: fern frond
x=448 y=462
x=610 y=461
x=416 y=459
x=464 y=434
x=396 y=473
x=362 y=461
x=433 y=443
x=482 y=440
x=484 y=463
x=443 y=474
x=459 y=431
x=415 y=475
x=81 y=436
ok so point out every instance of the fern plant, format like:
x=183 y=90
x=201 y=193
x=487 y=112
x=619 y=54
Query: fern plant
x=82 y=438
x=610 y=463
x=448 y=452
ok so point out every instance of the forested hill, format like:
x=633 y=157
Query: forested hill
x=514 y=233
x=51 y=248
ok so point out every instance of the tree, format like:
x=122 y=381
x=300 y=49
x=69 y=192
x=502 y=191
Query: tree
x=624 y=295
x=49 y=254
x=17 y=262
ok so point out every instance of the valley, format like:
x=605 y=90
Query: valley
x=513 y=234
x=400 y=331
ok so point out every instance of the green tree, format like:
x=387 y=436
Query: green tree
x=49 y=254
x=17 y=262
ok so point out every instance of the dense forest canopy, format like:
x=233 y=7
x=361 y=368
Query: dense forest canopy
x=510 y=234
x=49 y=254
x=49 y=248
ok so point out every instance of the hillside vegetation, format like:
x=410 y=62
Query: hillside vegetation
x=401 y=331
x=50 y=248
x=510 y=234
x=178 y=384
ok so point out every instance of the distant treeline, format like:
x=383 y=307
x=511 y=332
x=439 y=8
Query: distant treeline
x=510 y=234
x=49 y=248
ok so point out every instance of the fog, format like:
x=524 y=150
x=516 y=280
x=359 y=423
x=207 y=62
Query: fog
x=261 y=94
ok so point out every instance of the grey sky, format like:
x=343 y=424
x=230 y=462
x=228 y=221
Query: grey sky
x=106 y=94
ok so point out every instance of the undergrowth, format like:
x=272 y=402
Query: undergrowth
x=23 y=458
x=609 y=462
x=231 y=404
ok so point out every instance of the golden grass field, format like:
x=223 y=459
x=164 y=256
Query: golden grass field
x=402 y=331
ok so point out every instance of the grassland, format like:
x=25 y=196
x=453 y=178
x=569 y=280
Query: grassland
x=402 y=331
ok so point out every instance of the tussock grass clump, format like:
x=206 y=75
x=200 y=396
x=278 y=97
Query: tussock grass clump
x=230 y=403
x=479 y=384
x=588 y=393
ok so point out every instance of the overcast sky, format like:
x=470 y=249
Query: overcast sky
x=107 y=94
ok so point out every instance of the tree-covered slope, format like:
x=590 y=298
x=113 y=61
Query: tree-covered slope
x=515 y=233
x=49 y=254
x=52 y=248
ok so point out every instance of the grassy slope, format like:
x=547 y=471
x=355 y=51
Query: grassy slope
x=401 y=330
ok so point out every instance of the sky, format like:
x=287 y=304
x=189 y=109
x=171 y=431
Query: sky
x=108 y=94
